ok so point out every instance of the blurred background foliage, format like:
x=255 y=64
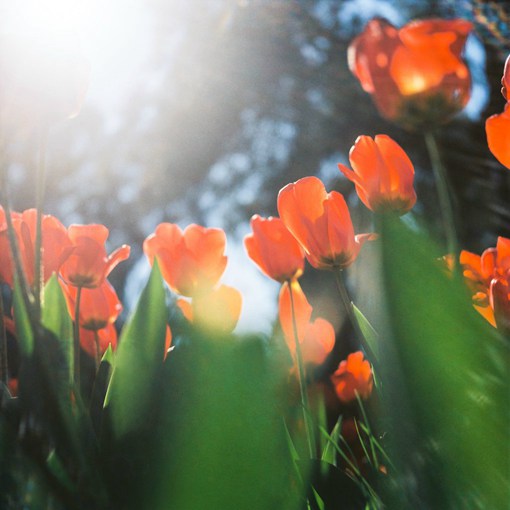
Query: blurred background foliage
x=228 y=100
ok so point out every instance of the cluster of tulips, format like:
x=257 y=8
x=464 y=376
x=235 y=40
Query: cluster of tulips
x=418 y=79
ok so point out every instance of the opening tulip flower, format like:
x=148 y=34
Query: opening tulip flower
x=321 y=223
x=274 y=249
x=56 y=245
x=497 y=127
x=191 y=261
x=382 y=173
x=316 y=338
x=353 y=376
x=488 y=278
x=89 y=264
x=218 y=309
x=415 y=74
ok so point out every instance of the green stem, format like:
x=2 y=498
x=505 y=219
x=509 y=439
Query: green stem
x=41 y=178
x=98 y=351
x=302 y=378
x=445 y=196
x=77 y=340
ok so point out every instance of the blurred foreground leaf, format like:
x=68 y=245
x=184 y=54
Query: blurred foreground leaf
x=446 y=376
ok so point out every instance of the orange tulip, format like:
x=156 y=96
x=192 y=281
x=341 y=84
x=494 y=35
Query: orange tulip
x=219 y=309
x=488 y=278
x=415 y=74
x=56 y=245
x=316 y=338
x=99 y=306
x=383 y=174
x=101 y=337
x=89 y=264
x=274 y=249
x=354 y=375
x=321 y=222
x=497 y=127
x=191 y=261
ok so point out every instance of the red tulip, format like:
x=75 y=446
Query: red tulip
x=89 y=264
x=99 y=306
x=274 y=249
x=56 y=245
x=488 y=278
x=415 y=74
x=354 y=375
x=101 y=337
x=316 y=338
x=382 y=173
x=191 y=261
x=321 y=222
x=497 y=126
x=219 y=309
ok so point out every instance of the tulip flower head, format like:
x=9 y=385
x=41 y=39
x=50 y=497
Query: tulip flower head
x=497 y=127
x=488 y=277
x=191 y=261
x=274 y=249
x=219 y=309
x=56 y=245
x=89 y=264
x=321 y=223
x=316 y=338
x=415 y=74
x=99 y=306
x=353 y=376
x=382 y=173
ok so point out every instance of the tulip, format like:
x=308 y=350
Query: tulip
x=487 y=276
x=382 y=173
x=321 y=223
x=497 y=127
x=191 y=261
x=95 y=342
x=219 y=309
x=353 y=376
x=56 y=245
x=274 y=249
x=89 y=264
x=415 y=75
x=316 y=338
x=99 y=306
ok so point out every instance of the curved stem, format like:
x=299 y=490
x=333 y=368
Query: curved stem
x=77 y=340
x=302 y=378
x=41 y=178
x=444 y=193
x=98 y=351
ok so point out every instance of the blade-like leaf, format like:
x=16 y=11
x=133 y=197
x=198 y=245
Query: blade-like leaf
x=448 y=365
x=369 y=333
x=55 y=317
x=139 y=357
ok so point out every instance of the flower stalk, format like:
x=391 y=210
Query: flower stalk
x=445 y=196
x=302 y=380
x=77 y=339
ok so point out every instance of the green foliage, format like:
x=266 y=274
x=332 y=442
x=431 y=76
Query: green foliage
x=446 y=383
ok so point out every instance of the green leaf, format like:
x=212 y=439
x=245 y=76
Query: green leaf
x=23 y=327
x=329 y=452
x=368 y=331
x=139 y=358
x=55 y=317
x=445 y=379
